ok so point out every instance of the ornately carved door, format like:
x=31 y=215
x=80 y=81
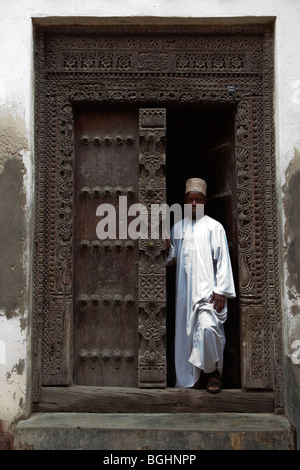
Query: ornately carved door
x=108 y=279
x=131 y=66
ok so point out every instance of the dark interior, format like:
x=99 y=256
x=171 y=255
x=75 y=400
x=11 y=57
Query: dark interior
x=200 y=143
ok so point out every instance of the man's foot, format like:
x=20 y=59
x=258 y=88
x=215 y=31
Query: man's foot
x=213 y=383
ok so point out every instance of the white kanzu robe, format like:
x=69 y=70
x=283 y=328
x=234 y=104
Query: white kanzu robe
x=199 y=249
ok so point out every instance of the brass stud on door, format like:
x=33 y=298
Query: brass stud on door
x=96 y=245
x=118 y=245
x=106 y=299
x=129 y=140
x=151 y=359
x=118 y=299
x=129 y=299
x=150 y=190
x=106 y=355
x=129 y=245
x=96 y=191
x=85 y=191
x=118 y=140
x=85 y=140
x=130 y=191
x=84 y=299
x=107 y=191
x=95 y=355
x=128 y=356
x=119 y=190
x=107 y=245
x=84 y=355
x=117 y=355
x=95 y=299
x=85 y=244
x=97 y=141
x=151 y=245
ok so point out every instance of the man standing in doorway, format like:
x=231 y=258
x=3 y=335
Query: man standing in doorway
x=204 y=281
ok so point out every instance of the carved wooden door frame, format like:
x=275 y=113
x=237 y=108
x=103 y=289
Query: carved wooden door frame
x=156 y=67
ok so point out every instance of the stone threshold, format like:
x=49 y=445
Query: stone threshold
x=154 y=431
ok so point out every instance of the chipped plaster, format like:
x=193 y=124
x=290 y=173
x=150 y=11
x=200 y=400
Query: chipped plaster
x=291 y=208
x=14 y=215
x=12 y=204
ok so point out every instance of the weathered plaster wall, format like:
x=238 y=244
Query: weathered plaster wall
x=15 y=216
x=13 y=272
x=291 y=204
x=17 y=163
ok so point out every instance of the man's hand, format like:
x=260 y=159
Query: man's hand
x=218 y=301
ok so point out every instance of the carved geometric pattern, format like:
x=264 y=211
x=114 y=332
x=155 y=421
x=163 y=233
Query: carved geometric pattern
x=257 y=359
x=152 y=289
x=161 y=67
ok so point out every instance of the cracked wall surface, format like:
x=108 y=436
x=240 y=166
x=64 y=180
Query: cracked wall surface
x=292 y=211
x=291 y=206
x=13 y=276
x=12 y=232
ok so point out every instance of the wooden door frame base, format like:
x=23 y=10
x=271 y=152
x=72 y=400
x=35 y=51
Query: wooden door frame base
x=78 y=398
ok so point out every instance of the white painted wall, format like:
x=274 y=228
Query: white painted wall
x=16 y=108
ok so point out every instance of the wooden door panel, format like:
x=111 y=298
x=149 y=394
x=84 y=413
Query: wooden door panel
x=105 y=270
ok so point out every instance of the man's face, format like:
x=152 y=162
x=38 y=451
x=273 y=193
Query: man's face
x=194 y=198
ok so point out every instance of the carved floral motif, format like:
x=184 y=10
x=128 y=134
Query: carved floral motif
x=190 y=66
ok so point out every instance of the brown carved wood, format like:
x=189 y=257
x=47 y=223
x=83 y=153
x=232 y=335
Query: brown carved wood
x=152 y=291
x=170 y=400
x=160 y=67
x=105 y=308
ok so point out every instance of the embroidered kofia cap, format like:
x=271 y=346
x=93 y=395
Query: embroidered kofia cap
x=195 y=184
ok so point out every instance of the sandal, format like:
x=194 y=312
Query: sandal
x=214 y=386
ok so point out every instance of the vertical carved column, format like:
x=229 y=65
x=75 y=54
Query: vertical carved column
x=252 y=250
x=152 y=292
x=39 y=232
x=274 y=294
x=58 y=308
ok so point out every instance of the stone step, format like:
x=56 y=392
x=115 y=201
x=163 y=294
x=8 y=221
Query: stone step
x=155 y=431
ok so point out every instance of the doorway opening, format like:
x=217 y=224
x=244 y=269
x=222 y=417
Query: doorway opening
x=200 y=144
